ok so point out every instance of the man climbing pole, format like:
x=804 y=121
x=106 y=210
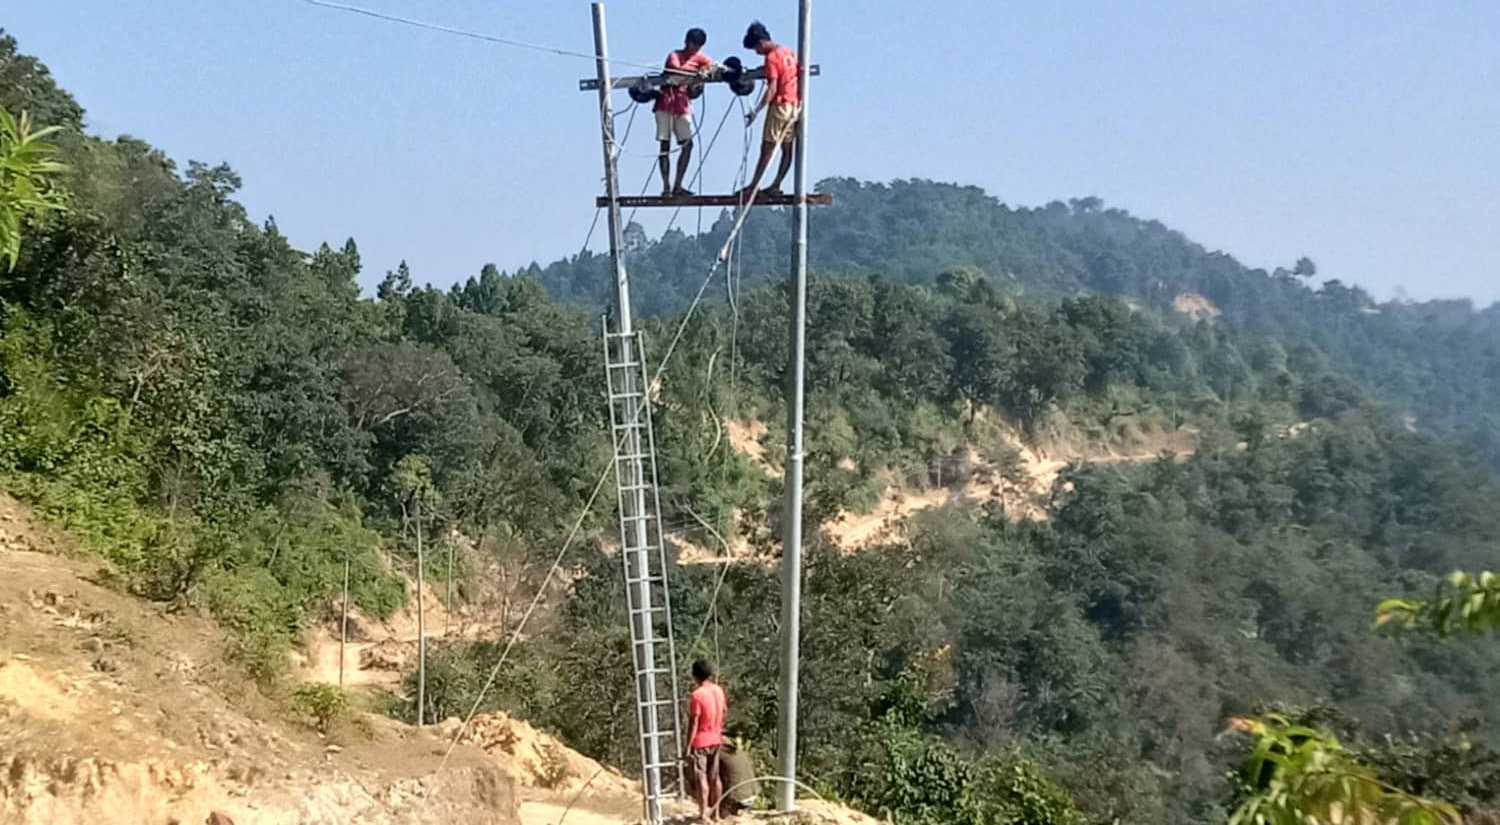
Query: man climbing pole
x=674 y=108
x=783 y=98
x=706 y=710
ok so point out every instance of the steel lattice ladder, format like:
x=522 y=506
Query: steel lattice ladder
x=643 y=557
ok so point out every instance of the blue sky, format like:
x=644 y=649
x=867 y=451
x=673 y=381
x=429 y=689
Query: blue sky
x=1364 y=134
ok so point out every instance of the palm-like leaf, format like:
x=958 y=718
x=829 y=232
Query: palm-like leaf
x=26 y=161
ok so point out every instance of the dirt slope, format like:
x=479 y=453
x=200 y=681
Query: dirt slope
x=1026 y=494
x=113 y=710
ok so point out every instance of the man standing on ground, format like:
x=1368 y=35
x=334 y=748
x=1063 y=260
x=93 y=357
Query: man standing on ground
x=674 y=108
x=706 y=709
x=783 y=96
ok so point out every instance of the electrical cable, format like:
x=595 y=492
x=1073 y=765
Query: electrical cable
x=489 y=38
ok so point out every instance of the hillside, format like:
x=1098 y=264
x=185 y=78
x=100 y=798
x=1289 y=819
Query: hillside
x=1438 y=359
x=1079 y=492
x=117 y=711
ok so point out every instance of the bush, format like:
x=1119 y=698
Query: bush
x=1014 y=791
x=909 y=777
x=323 y=704
x=457 y=672
x=261 y=621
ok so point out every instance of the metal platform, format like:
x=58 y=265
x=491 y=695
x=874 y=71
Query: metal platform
x=636 y=202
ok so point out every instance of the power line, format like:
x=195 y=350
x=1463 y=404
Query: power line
x=488 y=38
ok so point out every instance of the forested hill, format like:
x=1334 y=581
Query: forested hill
x=1440 y=360
x=236 y=429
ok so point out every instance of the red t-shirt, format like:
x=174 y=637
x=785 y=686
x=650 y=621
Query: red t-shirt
x=674 y=99
x=781 y=66
x=708 y=705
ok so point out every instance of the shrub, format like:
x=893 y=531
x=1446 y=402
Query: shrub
x=1014 y=791
x=322 y=703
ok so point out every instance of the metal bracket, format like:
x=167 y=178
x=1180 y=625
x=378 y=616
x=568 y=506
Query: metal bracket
x=592 y=84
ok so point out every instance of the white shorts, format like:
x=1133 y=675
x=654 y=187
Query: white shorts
x=668 y=124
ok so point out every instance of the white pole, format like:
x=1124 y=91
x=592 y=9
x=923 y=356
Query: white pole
x=791 y=556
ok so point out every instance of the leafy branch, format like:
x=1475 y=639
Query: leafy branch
x=1297 y=775
x=25 y=162
x=1464 y=603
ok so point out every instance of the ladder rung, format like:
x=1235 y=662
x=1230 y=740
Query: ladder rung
x=648 y=548
x=657 y=703
x=630 y=488
x=624 y=364
x=641 y=611
x=646 y=579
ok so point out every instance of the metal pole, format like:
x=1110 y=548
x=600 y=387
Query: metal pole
x=791 y=556
x=344 y=629
x=611 y=176
x=634 y=504
x=421 y=624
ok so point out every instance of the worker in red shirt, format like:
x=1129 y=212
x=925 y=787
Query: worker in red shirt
x=783 y=97
x=706 y=709
x=674 y=107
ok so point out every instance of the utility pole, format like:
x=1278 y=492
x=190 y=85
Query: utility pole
x=611 y=174
x=421 y=623
x=631 y=476
x=635 y=459
x=791 y=554
x=344 y=624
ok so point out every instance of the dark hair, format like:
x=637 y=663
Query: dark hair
x=697 y=37
x=756 y=35
x=702 y=671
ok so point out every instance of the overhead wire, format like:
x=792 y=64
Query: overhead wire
x=489 y=38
